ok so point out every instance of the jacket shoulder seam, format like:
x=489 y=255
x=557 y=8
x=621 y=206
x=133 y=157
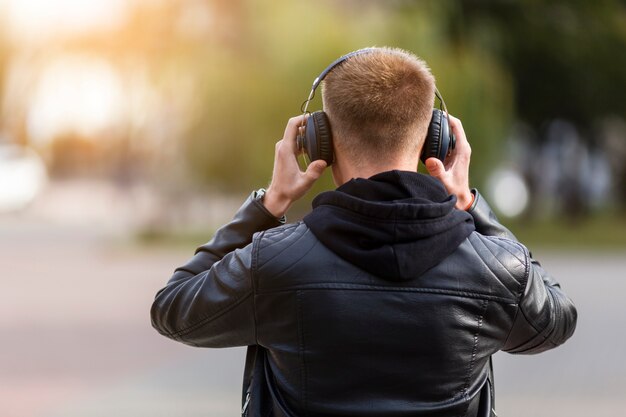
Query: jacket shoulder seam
x=281 y=229
x=505 y=244
x=261 y=247
x=524 y=262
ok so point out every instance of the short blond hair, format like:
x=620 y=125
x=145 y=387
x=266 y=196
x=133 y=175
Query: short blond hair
x=379 y=103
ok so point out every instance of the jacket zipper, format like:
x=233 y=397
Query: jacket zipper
x=244 y=410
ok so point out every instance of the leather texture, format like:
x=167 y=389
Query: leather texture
x=340 y=341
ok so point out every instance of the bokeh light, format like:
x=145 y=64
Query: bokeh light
x=508 y=192
x=22 y=177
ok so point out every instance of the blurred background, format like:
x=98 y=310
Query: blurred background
x=131 y=129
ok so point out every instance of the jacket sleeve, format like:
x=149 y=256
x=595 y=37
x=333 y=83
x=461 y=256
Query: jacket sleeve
x=545 y=317
x=208 y=302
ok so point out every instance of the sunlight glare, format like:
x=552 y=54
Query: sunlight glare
x=76 y=94
x=40 y=18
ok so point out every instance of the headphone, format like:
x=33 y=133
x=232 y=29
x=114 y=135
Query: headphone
x=315 y=137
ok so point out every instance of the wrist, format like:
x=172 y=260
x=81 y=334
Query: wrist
x=275 y=203
x=465 y=200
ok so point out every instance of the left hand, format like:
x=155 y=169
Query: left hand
x=289 y=182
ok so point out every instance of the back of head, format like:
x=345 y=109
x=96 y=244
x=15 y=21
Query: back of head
x=379 y=104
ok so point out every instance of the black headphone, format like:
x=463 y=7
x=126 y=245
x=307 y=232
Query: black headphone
x=315 y=137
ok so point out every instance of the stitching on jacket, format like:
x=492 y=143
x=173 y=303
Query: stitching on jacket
x=365 y=287
x=519 y=295
x=500 y=240
x=474 y=350
x=494 y=256
x=301 y=348
x=253 y=263
x=531 y=349
x=283 y=227
x=558 y=313
x=276 y=255
x=501 y=264
x=528 y=347
x=539 y=335
x=518 y=244
x=532 y=324
x=544 y=334
x=295 y=260
x=179 y=334
x=280 y=230
x=488 y=267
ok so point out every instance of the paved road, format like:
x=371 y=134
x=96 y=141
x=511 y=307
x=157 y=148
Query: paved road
x=76 y=339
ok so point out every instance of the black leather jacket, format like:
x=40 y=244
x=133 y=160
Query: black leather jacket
x=341 y=341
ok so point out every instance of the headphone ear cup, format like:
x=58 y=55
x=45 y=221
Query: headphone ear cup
x=318 y=141
x=438 y=138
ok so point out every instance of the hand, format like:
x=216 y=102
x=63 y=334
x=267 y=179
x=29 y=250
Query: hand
x=455 y=173
x=289 y=183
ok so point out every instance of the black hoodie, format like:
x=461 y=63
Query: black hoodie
x=395 y=225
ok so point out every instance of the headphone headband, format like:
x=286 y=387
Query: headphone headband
x=317 y=81
x=337 y=62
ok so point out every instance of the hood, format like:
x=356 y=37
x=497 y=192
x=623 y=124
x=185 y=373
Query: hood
x=395 y=225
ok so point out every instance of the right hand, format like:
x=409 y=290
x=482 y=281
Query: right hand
x=289 y=182
x=454 y=174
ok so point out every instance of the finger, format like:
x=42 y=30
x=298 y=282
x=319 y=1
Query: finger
x=315 y=170
x=291 y=131
x=292 y=126
x=462 y=150
x=435 y=167
x=457 y=129
x=282 y=149
x=296 y=120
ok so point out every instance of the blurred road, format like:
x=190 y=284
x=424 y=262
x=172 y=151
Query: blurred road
x=76 y=338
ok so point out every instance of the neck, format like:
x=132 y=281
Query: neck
x=343 y=171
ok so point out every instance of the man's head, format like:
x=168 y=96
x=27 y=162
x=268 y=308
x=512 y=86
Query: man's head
x=379 y=105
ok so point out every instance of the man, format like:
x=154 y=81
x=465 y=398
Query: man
x=390 y=297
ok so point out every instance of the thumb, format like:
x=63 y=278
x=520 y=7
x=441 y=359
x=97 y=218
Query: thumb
x=435 y=167
x=315 y=169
